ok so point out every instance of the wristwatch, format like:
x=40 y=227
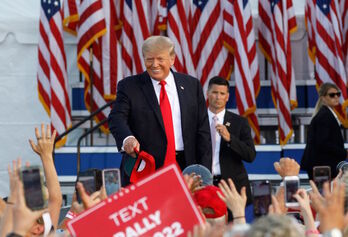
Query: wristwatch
x=335 y=232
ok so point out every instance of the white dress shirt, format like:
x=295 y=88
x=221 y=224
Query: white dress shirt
x=175 y=107
x=220 y=120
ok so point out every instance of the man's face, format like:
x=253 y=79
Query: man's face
x=158 y=64
x=217 y=97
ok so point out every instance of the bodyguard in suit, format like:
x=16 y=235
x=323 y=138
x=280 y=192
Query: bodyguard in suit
x=161 y=112
x=231 y=138
x=325 y=143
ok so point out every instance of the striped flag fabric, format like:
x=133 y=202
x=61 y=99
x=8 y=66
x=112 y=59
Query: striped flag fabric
x=135 y=16
x=277 y=22
x=344 y=15
x=328 y=41
x=178 y=32
x=91 y=28
x=71 y=16
x=52 y=74
x=210 y=57
x=110 y=52
x=240 y=39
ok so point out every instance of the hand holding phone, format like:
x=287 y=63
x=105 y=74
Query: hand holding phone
x=291 y=185
x=111 y=180
x=32 y=179
x=321 y=174
x=262 y=192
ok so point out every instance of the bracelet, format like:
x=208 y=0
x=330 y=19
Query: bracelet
x=238 y=217
x=70 y=215
x=310 y=232
x=10 y=203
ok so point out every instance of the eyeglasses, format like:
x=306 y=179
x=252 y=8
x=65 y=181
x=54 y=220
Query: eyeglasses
x=332 y=95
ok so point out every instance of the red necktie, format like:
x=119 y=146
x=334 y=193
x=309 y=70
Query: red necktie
x=168 y=125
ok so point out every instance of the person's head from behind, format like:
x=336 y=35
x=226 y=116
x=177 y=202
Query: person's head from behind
x=213 y=208
x=275 y=226
x=159 y=56
x=218 y=93
x=329 y=94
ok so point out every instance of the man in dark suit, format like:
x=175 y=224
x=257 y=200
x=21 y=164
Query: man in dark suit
x=231 y=138
x=161 y=112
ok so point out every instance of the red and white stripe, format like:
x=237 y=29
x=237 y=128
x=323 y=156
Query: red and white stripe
x=91 y=28
x=52 y=74
x=135 y=16
x=329 y=59
x=274 y=37
x=239 y=31
x=110 y=52
x=71 y=16
x=178 y=32
x=210 y=57
x=344 y=15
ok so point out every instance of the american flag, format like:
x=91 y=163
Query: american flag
x=344 y=14
x=210 y=57
x=178 y=32
x=91 y=28
x=326 y=25
x=110 y=52
x=135 y=16
x=277 y=22
x=52 y=74
x=71 y=16
x=240 y=38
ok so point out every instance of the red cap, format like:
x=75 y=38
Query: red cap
x=149 y=168
x=207 y=198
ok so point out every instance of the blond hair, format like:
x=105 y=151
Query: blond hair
x=324 y=88
x=158 y=43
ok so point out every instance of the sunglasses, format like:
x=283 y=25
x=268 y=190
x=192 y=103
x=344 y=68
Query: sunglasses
x=332 y=95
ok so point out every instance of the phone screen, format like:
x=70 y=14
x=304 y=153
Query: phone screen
x=291 y=189
x=32 y=188
x=321 y=174
x=111 y=180
x=262 y=197
x=88 y=183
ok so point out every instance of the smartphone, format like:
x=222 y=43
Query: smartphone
x=291 y=185
x=91 y=180
x=262 y=191
x=111 y=180
x=321 y=174
x=32 y=179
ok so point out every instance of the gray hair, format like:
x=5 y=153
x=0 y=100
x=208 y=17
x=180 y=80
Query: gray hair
x=275 y=226
x=158 y=43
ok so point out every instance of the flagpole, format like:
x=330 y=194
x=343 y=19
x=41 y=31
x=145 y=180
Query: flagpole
x=91 y=81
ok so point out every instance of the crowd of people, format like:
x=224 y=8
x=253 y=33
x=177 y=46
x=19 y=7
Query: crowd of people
x=322 y=214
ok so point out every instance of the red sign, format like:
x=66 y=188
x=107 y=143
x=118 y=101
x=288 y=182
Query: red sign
x=159 y=206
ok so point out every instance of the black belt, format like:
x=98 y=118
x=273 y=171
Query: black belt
x=180 y=158
x=216 y=179
x=179 y=153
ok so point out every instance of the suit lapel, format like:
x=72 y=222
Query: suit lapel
x=151 y=98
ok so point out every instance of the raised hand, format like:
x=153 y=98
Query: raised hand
x=287 y=167
x=45 y=141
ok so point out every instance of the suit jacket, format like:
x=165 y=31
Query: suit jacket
x=136 y=112
x=240 y=148
x=325 y=144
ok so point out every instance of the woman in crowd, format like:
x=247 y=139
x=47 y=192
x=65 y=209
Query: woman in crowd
x=325 y=144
